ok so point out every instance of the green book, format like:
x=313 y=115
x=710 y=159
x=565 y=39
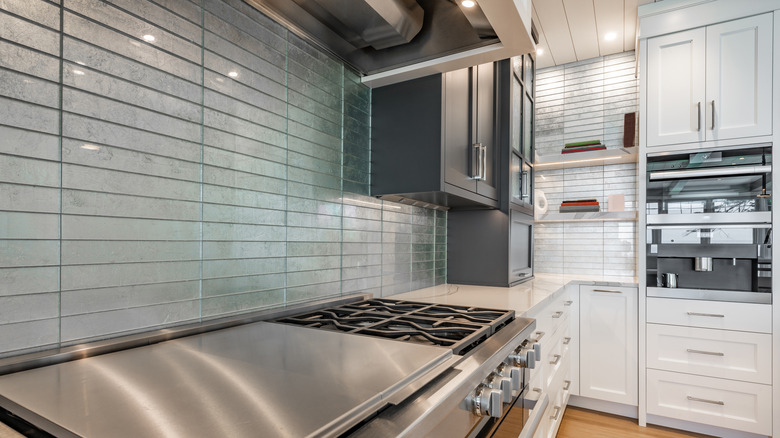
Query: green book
x=583 y=143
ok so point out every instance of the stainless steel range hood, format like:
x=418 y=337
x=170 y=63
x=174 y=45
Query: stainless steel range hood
x=389 y=41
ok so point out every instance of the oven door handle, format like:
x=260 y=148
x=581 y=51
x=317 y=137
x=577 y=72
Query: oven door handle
x=531 y=426
x=711 y=171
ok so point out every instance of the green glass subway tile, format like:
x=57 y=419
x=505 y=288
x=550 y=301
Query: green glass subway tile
x=248 y=19
x=355 y=248
x=314 y=121
x=362 y=236
x=313 y=220
x=251 y=283
x=303 y=205
x=314 y=164
x=305 y=132
x=313 y=277
x=314 y=178
x=362 y=209
x=301 y=249
x=307 y=103
x=307 y=191
x=422 y=266
x=296 y=294
x=312 y=149
x=241 y=303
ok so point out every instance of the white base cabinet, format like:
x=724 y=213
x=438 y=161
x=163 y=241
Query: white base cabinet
x=608 y=353
x=717 y=402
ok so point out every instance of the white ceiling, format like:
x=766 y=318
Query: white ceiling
x=573 y=30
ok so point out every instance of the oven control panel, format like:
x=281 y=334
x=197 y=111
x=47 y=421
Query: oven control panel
x=505 y=382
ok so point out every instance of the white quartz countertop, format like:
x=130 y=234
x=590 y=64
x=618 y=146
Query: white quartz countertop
x=521 y=298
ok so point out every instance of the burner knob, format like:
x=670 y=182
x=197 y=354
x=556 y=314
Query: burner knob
x=537 y=350
x=503 y=384
x=513 y=373
x=523 y=358
x=487 y=402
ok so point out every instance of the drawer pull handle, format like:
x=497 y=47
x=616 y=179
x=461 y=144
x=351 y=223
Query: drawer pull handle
x=608 y=291
x=568 y=385
x=566 y=340
x=704 y=400
x=554 y=417
x=568 y=303
x=556 y=360
x=557 y=314
x=539 y=336
x=712 y=315
x=539 y=390
x=711 y=353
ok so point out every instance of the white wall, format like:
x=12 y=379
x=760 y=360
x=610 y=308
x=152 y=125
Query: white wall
x=580 y=101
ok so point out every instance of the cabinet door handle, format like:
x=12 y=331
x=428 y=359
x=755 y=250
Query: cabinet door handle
x=608 y=291
x=704 y=400
x=711 y=315
x=711 y=353
x=568 y=385
x=476 y=166
x=712 y=115
x=483 y=171
x=557 y=314
x=698 y=116
x=568 y=303
x=566 y=340
x=539 y=336
x=554 y=417
x=556 y=360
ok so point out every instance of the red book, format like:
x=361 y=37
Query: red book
x=578 y=203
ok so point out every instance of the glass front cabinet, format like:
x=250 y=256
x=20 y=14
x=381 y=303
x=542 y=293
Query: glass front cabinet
x=521 y=142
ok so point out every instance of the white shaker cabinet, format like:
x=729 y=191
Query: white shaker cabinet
x=608 y=344
x=710 y=83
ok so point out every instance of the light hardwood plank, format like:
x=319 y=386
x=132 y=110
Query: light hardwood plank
x=579 y=423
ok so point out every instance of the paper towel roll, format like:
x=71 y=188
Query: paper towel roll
x=540 y=202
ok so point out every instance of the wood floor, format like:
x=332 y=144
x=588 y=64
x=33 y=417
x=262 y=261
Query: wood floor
x=583 y=423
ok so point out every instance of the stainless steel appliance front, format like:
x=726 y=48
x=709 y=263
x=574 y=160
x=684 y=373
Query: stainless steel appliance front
x=709 y=232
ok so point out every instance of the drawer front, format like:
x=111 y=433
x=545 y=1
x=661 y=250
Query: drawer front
x=710 y=314
x=707 y=352
x=719 y=402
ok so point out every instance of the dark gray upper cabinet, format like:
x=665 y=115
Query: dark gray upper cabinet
x=495 y=247
x=434 y=139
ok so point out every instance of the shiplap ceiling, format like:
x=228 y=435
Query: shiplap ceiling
x=573 y=30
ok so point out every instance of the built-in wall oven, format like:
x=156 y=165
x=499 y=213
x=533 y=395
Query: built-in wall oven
x=709 y=232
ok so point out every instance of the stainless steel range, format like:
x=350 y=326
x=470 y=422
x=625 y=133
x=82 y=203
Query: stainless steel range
x=356 y=367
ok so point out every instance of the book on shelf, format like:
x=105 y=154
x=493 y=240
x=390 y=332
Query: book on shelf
x=579 y=208
x=583 y=143
x=582 y=149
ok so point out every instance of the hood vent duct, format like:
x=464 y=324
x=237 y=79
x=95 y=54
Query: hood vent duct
x=376 y=23
x=375 y=36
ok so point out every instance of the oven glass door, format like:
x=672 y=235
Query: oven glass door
x=722 y=182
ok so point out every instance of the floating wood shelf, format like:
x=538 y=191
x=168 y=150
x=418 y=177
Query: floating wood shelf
x=585 y=159
x=605 y=216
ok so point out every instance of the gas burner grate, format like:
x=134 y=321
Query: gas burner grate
x=459 y=328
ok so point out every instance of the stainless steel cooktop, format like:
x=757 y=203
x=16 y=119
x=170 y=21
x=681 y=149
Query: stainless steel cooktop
x=259 y=379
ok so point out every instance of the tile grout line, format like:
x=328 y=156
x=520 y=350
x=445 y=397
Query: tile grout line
x=59 y=139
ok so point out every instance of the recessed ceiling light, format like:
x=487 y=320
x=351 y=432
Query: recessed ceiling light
x=90 y=147
x=540 y=51
x=468 y=3
x=78 y=72
x=233 y=74
x=149 y=38
x=609 y=36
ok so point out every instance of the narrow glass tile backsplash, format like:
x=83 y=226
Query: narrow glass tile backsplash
x=167 y=161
